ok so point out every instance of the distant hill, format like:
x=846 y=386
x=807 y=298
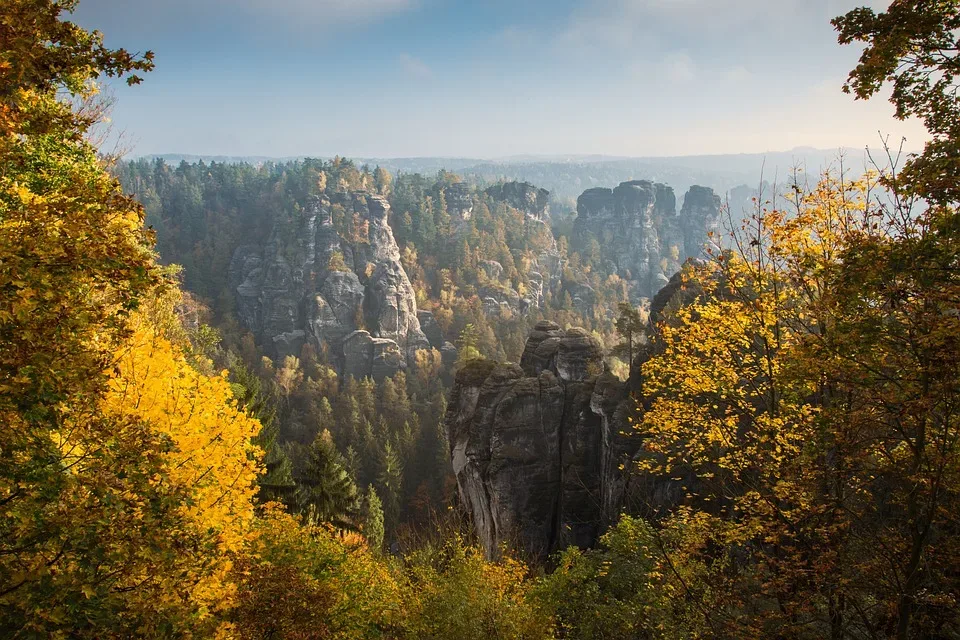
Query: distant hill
x=566 y=177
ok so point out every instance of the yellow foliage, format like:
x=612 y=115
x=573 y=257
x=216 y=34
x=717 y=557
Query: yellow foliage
x=211 y=459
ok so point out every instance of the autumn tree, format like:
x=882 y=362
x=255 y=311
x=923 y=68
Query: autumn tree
x=914 y=46
x=303 y=581
x=382 y=181
x=126 y=475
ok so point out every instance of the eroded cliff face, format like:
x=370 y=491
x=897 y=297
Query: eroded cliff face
x=637 y=230
x=533 y=446
x=523 y=196
x=343 y=291
x=543 y=451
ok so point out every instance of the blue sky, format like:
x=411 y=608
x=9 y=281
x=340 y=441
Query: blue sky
x=488 y=78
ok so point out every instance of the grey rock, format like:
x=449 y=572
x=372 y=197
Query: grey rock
x=289 y=344
x=492 y=269
x=523 y=196
x=578 y=356
x=387 y=359
x=358 y=354
x=496 y=298
x=527 y=447
x=699 y=216
x=459 y=201
x=449 y=354
x=428 y=323
x=639 y=232
x=286 y=285
x=533 y=361
x=491 y=307
x=542 y=452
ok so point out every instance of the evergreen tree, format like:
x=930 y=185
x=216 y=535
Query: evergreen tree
x=630 y=325
x=325 y=491
x=276 y=482
x=389 y=481
x=373 y=519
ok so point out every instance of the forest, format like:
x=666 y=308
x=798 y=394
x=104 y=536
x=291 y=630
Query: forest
x=232 y=394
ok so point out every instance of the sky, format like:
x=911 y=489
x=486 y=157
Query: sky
x=488 y=78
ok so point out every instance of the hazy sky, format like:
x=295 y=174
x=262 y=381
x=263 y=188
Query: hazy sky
x=488 y=78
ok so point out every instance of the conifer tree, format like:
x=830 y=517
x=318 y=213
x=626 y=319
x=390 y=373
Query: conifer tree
x=276 y=482
x=326 y=492
x=373 y=519
x=389 y=483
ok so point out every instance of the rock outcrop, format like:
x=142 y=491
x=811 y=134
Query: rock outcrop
x=541 y=450
x=332 y=279
x=459 y=200
x=636 y=227
x=533 y=445
x=523 y=196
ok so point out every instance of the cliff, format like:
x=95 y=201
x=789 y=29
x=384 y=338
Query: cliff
x=534 y=446
x=638 y=232
x=332 y=278
x=543 y=451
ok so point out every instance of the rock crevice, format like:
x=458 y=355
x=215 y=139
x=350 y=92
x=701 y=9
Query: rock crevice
x=527 y=446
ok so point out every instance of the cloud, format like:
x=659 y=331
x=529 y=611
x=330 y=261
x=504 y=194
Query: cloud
x=263 y=18
x=414 y=67
x=676 y=68
x=625 y=24
x=736 y=75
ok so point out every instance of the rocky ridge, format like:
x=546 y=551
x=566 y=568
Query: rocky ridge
x=342 y=290
x=639 y=232
x=541 y=450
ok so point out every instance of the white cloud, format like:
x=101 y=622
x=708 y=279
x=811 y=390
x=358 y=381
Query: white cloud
x=414 y=67
x=736 y=75
x=625 y=24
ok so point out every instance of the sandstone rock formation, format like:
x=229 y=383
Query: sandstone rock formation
x=637 y=229
x=542 y=451
x=459 y=200
x=523 y=196
x=333 y=279
x=533 y=446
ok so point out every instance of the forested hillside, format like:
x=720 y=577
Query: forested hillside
x=316 y=400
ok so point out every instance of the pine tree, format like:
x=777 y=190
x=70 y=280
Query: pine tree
x=630 y=325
